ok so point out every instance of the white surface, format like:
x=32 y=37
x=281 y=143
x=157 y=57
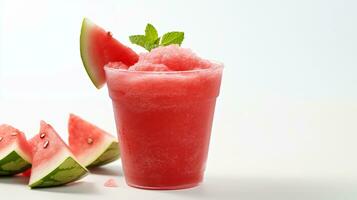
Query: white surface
x=216 y=186
x=285 y=124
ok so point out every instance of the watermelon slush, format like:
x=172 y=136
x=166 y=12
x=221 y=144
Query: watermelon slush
x=164 y=107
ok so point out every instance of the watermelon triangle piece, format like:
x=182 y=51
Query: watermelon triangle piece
x=90 y=144
x=53 y=164
x=98 y=48
x=15 y=152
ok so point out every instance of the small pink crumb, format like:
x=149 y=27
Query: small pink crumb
x=111 y=183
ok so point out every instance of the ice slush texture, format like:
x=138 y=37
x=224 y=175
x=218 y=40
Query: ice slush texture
x=170 y=58
x=178 y=72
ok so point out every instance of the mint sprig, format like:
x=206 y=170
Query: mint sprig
x=152 y=40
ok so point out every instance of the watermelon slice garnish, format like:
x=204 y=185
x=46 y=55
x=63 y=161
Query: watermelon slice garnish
x=15 y=152
x=53 y=164
x=98 y=48
x=91 y=145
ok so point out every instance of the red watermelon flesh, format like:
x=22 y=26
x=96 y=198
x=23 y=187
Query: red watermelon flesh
x=53 y=163
x=54 y=147
x=15 y=152
x=11 y=135
x=90 y=144
x=98 y=48
x=26 y=173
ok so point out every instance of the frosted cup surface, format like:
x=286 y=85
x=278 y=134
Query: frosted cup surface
x=164 y=122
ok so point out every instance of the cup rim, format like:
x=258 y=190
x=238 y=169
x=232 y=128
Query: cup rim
x=216 y=65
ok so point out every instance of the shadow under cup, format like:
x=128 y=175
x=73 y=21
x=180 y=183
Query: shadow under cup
x=164 y=122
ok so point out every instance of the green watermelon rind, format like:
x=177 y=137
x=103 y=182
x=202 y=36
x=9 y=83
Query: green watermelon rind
x=86 y=25
x=68 y=171
x=13 y=164
x=110 y=154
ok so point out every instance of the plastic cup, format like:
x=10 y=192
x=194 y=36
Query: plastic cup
x=164 y=122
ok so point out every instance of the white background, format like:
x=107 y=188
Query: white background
x=286 y=120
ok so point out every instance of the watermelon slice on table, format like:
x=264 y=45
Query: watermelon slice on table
x=98 y=48
x=91 y=145
x=53 y=164
x=15 y=152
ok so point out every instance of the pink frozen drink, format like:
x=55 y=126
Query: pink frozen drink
x=164 y=107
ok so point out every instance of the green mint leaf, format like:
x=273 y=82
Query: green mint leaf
x=172 y=38
x=157 y=42
x=149 y=47
x=152 y=40
x=142 y=41
x=151 y=33
x=138 y=40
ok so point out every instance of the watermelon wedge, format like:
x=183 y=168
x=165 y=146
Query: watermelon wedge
x=98 y=48
x=91 y=145
x=15 y=152
x=53 y=164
